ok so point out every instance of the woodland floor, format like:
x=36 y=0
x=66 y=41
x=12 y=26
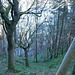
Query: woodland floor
x=40 y=68
x=3 y=70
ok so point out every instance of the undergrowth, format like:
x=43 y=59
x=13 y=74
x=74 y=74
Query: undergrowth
x=42 y=66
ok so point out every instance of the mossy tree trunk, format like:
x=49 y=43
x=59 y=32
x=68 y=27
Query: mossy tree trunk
x=10 y=50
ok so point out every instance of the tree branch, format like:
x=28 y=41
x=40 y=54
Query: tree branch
x=16 y=16
x=27 y=11
x=10 y=2
x=7 y=10
x=31 y=6
x=12 y=5
x=5 y=29
x=3 y=15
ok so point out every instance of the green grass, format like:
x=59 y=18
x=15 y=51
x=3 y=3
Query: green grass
x=51 y=65
x=48 y=66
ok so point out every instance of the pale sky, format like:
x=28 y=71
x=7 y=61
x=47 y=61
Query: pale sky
x=25 y=4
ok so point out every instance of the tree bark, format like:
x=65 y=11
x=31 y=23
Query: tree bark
x=26 y=57
x=73 y=31
x=73 y=73
x=36 y=19
x=56 y=40
x=67 y=59
x=61 y=30
x=73 y=23
x=10 y=52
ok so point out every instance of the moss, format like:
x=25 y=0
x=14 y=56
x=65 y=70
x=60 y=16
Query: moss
x=13 y=70
x=7 y=10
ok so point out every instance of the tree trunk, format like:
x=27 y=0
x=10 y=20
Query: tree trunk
x=62 y=50
x=61 y=30
x=56 y=40
x=26 y=57
x=70 y=55
x=73 y=23
x=73 y=73
x=47 y=54
x=36 y=20
x=10 y=52
x=15 y=34
x=73 y=31
x=4 y=51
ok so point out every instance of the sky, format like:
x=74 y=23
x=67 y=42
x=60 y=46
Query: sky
x=25 y=4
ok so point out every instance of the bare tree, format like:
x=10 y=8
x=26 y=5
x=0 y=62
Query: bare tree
x=10 y=26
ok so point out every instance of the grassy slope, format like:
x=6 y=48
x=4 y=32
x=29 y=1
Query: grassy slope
x=48 y=66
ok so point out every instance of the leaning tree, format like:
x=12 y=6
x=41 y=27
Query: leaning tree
x=70 y=55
